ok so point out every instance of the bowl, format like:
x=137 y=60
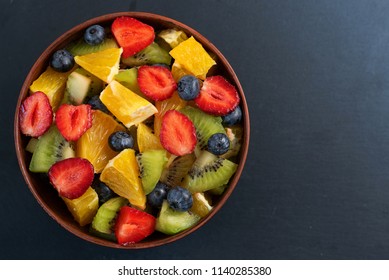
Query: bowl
x=46 y=195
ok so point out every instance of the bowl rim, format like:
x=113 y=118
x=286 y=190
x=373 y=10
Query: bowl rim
x=42 y=60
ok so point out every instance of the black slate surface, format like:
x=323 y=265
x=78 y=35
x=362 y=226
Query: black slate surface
x=316 y=77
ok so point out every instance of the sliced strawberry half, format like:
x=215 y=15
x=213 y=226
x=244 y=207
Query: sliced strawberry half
x=132 y=35
x=217 y=96
x=72 y=121
x=71 y=177
x=35 y=115
x=133 y=225
x=156 y=82
x=178 y=134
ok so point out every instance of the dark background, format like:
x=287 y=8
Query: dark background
x=316 y=78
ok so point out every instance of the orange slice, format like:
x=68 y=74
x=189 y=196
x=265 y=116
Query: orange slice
x=201 y=205
x=147 y=140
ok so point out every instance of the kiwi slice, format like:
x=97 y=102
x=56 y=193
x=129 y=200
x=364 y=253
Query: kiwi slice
x=170 y=221
x=152 y=54
x=96 y=85
x=177 y=170
x=77 y=88
x=103 y=221
x=151 y=164
x=209 y=172
x=128 y=78
x=51 y=147
x=31 y=145
x=80 y=47
x=205 y=124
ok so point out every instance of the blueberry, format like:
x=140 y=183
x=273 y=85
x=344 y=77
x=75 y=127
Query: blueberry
x=120 y=140
x=179 y=199
x=188 y=87
x=96 y=104
x=94 y=35
x=218 y=144
x=233 y=118
x=103 y=191
x=158 y=194
x=62 y=61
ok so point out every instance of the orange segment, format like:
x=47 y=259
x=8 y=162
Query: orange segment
x=147 y=140
x=93 y=144
x=123 y=177
x=178 y=71
x=201 y=205
x=193 y=57
x=103 y=64
x=127 y=106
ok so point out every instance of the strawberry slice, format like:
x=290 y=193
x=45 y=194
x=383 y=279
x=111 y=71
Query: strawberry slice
x=72 y=121
x=132 y=35
x=133 y=225
x=156 y=82
x=178 y=134
x=35 y=115
x=71 y=177
x=217 y=96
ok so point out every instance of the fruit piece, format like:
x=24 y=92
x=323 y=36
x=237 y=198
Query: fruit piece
x=171 y=222
x=73 y=121
x=121 y=175
x=96 y=85
x=156 y=82
x=94 y=35
x=103 y=64
x=178 y=134
x=177 y=170
x=62 y=61
x=179 y=199
x=51 y=147
x=120 y=140
x=172 y=103
x=127 y=106
x=35 y=115
x=233 y=118
x=158 y=195
x=208 y=172
x=80 y=47
x=132 y=35
x=31 y=145
x=218 y=144
x=93 y=144
x=52 y=83
x=103 y=222
x=192 y=56
x=205 y=124
x=128 y=78
x=77 y=88
x=201 y=206
x=146 y=139
x=152 y=54
x=151 y=164
x=234 y=134
x=217 y=96
x=84 y=208
x=96 y=104
x=178 y=71
x=188 y=87
x=172 y=37
x=103 y=191
x=71 y=177
x=133 y=225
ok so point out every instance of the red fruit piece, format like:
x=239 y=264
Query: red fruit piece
x=71 y=177
x=133 y=225
x=178 y=134
x=132 y=35
x=217 y=96
x=156 y=82
x=35 y=115
x=72 y=121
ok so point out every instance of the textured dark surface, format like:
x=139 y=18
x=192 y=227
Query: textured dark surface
x=316 y=77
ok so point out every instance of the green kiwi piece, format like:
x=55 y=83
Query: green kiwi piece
x=80 y=47
x=177 y=170
x=96 y=85
x=51 y=147
x=170 y=221
x=103 y=221
x=128 y=78
x=151 y=164
x=205 y=124
x=31 y=145
x=209 y=172
x=152 y=54
x=77 y=88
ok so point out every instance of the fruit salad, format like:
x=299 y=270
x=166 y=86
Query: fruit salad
x=133 y=130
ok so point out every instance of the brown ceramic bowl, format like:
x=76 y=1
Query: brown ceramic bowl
x=46 y=195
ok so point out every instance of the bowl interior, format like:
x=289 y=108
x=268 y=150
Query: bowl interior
x=48 y=197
